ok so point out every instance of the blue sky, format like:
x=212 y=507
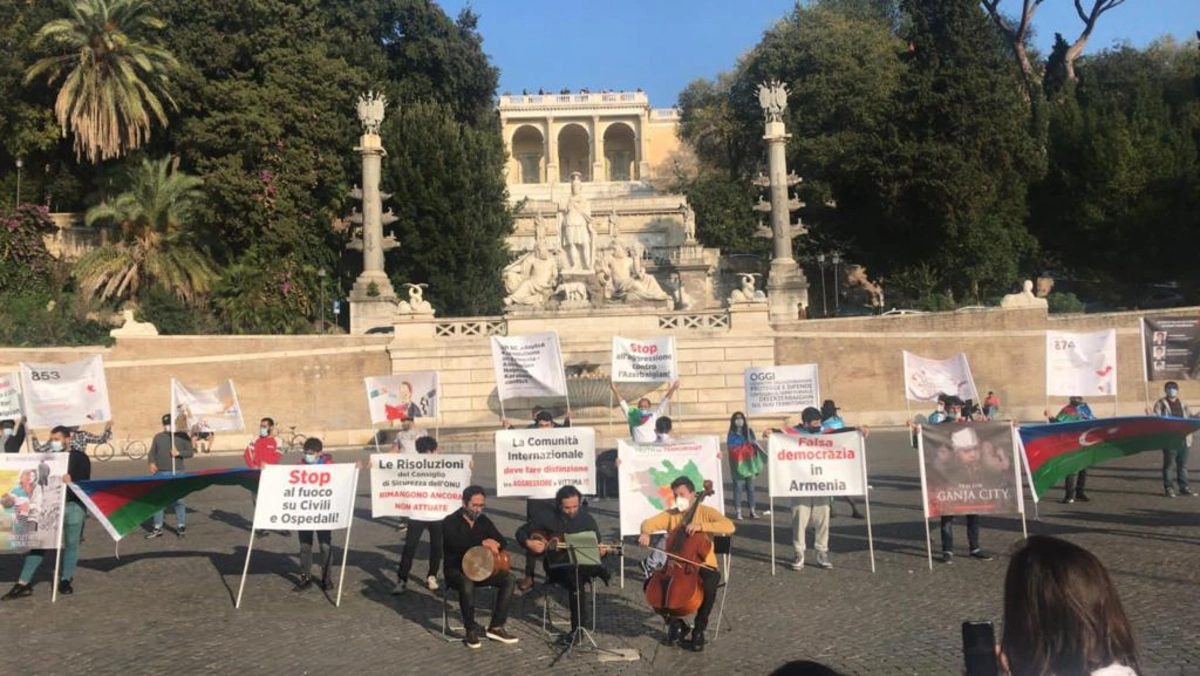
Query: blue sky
x=661 y=45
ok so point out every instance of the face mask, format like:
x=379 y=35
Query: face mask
x=738 y=422
x=1172 y=392
x=8 y=431
x=311 y=459
x=682 y=504
x=644 y=411
x=56 y=446
x=262 y=431
x=474 y=514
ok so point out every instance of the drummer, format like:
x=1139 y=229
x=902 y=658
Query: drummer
x=462 y=530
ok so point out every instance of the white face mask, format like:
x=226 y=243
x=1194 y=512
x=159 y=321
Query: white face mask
x=682 y=504
x=262 y=431
x=56 y=446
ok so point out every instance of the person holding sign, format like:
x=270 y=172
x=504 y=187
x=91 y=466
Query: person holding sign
x=643 y=418
x=79 y=468
x=810 y=511
x=545 y=420
x=466 y=528
x=1076 y=409
x=408 y=437
x=411 y=538
x=13 y=434
x=542 y=535
x=167 y=454
x=745 y=460
x=79 y=440
x=314 y=454
x=832 y=422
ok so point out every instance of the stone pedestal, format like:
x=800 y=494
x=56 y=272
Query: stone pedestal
x=787 y=291
x=368 y=313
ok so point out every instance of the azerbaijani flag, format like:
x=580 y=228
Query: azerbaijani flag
x=1057 y=450
x=123 y=504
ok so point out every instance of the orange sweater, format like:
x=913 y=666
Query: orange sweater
x=711 y=521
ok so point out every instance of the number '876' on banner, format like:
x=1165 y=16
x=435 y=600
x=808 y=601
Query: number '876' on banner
x=817 y=465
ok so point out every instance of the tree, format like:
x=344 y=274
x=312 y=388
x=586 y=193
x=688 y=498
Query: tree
x=25 y=265
x=114 y=76
x=156 y=243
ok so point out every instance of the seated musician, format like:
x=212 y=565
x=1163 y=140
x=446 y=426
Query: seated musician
x=568 y=516
x=462 y=530
x=707 y=520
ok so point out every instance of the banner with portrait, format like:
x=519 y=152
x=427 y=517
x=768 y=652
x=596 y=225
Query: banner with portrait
x=31 y=500
x=1081 y=364
x=646 y=471
x=403 y=396
x=970 y=468
x=74 y=393
x=1171 y=347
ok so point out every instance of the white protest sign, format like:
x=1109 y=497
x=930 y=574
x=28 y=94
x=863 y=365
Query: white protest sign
x=643 y=361
x=528 y=366
x=305 y=497
x=31 y=499
x=403 y=396
x=1083 y=364
x=925 y=379
x=781 y=389
x=425 y=487
x=10 y=397
x=818 y=465
x=74 y=393
x=214 y=409
x=536 y=462
x=647 y=470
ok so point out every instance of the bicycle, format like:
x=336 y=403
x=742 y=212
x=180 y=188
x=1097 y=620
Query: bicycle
x=292 y=440
x=134 y=449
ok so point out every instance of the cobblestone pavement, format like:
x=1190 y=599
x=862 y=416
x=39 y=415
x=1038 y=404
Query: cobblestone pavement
x=166 y=605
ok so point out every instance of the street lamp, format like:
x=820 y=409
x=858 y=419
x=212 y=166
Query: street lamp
x=824 y=304
x=837 y=259
x=321 y=275
x=20 y=163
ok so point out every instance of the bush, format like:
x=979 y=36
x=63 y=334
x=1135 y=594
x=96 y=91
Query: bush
x=25 y=264
x=171 y=315
x=49 y=320
x=1064 y=302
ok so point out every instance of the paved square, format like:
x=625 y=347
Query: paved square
x=166 y=605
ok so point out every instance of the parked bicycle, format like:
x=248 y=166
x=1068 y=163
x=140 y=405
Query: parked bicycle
x=291 y=440
x=134 y=449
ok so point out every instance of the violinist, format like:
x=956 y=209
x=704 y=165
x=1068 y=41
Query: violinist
x=706 y=520
x=541 y=535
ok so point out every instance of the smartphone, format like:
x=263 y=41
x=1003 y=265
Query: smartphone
x=979 y=649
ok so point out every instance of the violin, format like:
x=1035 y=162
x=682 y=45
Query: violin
x=555 y=541
x=675 y=590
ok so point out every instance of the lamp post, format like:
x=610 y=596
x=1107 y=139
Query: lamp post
x=321 y=275
x=824 y=304
x=837 y=259
x=20 y=163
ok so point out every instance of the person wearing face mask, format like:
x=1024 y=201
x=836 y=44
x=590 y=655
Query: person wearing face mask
x=13 y=434
x=1171 y=406
x=1076 y=409
x=809 y=511
x=413 y=536
x=466 y=528
x=643 y=418
x=167 y=454
x=264 y=450
x=832 y=422
x=745 y=461
x=79 y=440
x=407 y=437
x=79 y=468
x=314 y=454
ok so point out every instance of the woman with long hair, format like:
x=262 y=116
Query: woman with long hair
x=1062 y=614
x=744 y=460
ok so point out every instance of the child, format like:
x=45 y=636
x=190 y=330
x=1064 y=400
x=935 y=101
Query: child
x=314 y=455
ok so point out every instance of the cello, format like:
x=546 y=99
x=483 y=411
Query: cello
x=675 y=590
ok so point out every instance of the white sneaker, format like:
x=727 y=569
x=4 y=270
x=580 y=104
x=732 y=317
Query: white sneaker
x=431 y=582
x=823 y=560
x=797 y=563
x=738 y=515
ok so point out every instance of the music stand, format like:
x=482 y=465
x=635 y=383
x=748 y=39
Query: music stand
x=583 y=549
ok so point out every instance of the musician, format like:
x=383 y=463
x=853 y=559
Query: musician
x=542 y=419
x=568 y=516
x=462 y=530
x=707 y=520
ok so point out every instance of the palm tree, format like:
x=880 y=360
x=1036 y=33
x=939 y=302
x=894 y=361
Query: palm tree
x=155 y=245
x=113 y=76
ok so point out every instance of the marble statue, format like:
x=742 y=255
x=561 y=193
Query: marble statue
x=614 y=225
x=624 y=277
x=370 y=111
x=572 y=291
x=576 y=229
x=416 y=303
x=132 y=327
x=1024 y=299
x=746 y=293
x=689 y=222
x=773 y=99
x=532 y=279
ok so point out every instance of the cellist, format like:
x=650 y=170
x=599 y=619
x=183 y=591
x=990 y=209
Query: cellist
x=706 y=520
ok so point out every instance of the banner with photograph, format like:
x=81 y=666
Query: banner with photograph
x=970 y=468
x=214 y=409
x=75 y=393
x=31 y=500
x=818 y=465
x=1083 y=364
x=782 y=389
x=306 y=497
x=647 y=470
x=1172 y=348
x=528 y=366
x=536 y=462
x=10 y=397
x=925 y=379
x=643 y=361
x=403 y=396
x=425 y=487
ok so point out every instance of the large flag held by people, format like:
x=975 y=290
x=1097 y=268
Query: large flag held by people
x=1081 y=364
x=121 y=505
x=215 y=409
x=1057 y=450
x=925 y=379
x=75 y=393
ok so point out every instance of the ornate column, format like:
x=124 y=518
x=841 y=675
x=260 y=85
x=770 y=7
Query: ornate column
x=597 y=152
x=552 y=176
x=787 y=288
x=372 y=299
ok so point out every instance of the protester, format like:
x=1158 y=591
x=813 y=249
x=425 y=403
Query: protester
x=1062 y=614
x=832 y=422
x=468 y=527
x=1076 y=409
x=413 y=536
x=545 y=420
x=13 y=433
x=264 y=449
x=991 y=406
x=809 y=511
x=205 y=437
x=745 y=463
x=314 y=454
x=79 y=468
x=1171 y=406
x=953 y=413
x=642 y=419
x=79 y=439
x=167 y=454
x=662 y=430
x=407 y=436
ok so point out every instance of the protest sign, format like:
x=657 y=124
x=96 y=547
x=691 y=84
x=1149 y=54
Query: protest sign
x=214 y=409
x=74 y=393
x=818 y=465
x=403 y=396
x=781 y=389
x=1083 y=364
x=528 y=366
x=536 y=462
x=643 y=361
x=31 y=500
x=424 y=487
x=647 y=470
x=925 y=379
x=305 y=497
x=1171 y=347
x=10 y=397
x=970 y=468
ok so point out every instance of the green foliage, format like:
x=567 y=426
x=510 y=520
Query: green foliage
x=49 y=318
x=25 y=264
x=169 y=314
x=724 y=218
x=259 y=295
x=1064 y=302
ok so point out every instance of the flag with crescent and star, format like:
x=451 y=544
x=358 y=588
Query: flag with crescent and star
x=1058 y=450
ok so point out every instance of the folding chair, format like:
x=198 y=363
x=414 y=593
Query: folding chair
x=547 y=592
x=446 y=628
x=723 y=546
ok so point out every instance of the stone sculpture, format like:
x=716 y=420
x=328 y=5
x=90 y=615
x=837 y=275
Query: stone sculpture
x=689 y=222
x=746 y=292
x=1024 y=299
x=773 y=97
x=578 y=234
x=370 y=111
x=532 y=279
x=132 y=327
x=624 y=278
x=856 y=278
x=416 y=303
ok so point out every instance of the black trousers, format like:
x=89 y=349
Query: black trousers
x=503 y=582
x=564 y=576
x=1076 y=483
x=710 y=581
x=532 y=506
x=415 y=529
